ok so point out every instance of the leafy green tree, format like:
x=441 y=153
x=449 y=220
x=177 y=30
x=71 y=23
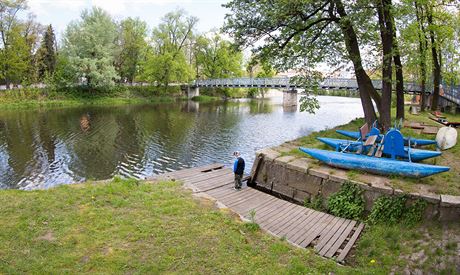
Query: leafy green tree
x=14 y=59
x=46 y=54
x=217 y=58
x=13 y=46
x=133 y=46
x=89 y=46
x=166 y=62
x=301 y=34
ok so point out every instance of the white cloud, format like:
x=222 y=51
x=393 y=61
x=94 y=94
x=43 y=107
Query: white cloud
x=42 y=7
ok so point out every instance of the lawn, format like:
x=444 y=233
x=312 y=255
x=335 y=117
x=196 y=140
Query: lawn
x=126 y=226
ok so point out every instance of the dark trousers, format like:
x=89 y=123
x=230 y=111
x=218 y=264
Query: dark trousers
x=238 y=179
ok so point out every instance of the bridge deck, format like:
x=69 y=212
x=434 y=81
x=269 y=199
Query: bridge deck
x=330 y=236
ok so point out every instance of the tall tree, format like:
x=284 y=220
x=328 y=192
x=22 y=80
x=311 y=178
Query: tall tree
x=167 y=61
x=89 y=46
x=133 y=46
x=217 y=58
x=385 y=20
x=13 y=46
x=435 y=60
x=300 y=34
x=46 y=54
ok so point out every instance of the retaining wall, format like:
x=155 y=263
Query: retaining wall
x=301 y=179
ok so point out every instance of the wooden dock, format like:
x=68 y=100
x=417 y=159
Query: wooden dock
x=330 y=236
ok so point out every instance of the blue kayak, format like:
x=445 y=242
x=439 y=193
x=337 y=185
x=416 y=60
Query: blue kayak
x=413 y=141
x=382 y=166
x=353 y=146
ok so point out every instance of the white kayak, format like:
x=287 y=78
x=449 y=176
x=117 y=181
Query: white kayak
x=446 y=138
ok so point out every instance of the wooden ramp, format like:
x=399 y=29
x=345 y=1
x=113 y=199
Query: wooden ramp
x=329 y=235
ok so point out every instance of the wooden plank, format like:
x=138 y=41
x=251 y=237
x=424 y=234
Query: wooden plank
x=257 y=209
x=269 y=209
x=179 y=173
x=287 y=217
x=315 y=230
x=301 y=218
x=334 y=237
x=350 y=243
x=329 y=233
x=206 y=176
x=239 y=196
x=213 y=184
x=273 y=220
x=370 y=140
x=300 y=232
x=330 y=253
x=244 y=199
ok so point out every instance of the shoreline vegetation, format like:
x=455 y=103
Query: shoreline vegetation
x=134 y=226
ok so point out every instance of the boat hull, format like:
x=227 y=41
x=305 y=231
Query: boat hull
x=413 y=141
x=374 y=165
x=353 y=146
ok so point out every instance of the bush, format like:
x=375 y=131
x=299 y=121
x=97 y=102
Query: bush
x=392 y=210
x=348 y=202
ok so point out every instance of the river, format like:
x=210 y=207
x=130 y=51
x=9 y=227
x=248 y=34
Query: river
x=42 y=148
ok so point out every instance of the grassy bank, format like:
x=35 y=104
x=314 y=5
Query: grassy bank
x=127 y=226
x=444 y=183
x=25 y=98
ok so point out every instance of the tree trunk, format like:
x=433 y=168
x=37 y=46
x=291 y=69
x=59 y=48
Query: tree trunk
x=423 y=45
x=386 y=34
x=399 y=76
x=365 y=86
x=436 y=66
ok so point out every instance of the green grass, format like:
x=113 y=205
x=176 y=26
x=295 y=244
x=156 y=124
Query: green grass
x=119 y=95
x=126 y=226
x=130 y=227
x=205 y=98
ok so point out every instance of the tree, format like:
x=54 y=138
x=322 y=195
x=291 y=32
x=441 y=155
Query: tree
x=14 y=58
x=46 y=54
x=300 y=34
x=13 y=46
x=167 y=62
x=89 y=46
x=385 y=20
x=217 y=58
x=133 y=46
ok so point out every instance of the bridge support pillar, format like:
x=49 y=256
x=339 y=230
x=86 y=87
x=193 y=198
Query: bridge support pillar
x=290 y=98
x=192 y=91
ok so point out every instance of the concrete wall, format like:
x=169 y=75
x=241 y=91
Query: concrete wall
x=300 y=179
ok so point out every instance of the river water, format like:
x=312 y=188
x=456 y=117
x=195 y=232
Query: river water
x=41 y=148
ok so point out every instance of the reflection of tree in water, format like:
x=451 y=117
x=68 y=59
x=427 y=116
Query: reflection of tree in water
x=258 y=106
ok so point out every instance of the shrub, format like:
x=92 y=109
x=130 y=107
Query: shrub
x=348 y=202
x=392 y=210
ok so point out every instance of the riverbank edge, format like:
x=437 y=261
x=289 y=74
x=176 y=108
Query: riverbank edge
x=285 y=171
x=299 y=179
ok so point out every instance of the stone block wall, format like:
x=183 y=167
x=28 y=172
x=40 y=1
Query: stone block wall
x=299 y=179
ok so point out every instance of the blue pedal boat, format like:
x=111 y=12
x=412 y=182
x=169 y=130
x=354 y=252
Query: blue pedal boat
x=382 y=166
x=353 y=146
x=413 y=141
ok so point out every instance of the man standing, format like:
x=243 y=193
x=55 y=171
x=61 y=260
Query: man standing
x=238 y=169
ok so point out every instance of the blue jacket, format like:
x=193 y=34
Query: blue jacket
x=238 y=166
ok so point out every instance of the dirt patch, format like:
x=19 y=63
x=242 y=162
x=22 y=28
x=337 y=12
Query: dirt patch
x=47 y=237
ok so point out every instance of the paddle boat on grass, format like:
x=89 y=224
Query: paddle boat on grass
x=354 y=146
x=392 y=146
x=375 y=165
x=413 y=141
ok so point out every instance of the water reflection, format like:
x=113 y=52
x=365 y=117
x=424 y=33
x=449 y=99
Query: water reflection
x=43 y=148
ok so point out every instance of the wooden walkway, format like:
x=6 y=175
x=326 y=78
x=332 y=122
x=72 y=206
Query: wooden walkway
x=329 y=235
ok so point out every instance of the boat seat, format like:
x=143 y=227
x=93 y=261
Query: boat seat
x=394 y=144
x=371 y=140
x=364 y=130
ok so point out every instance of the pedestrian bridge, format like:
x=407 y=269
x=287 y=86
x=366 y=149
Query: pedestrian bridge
x=451 y=94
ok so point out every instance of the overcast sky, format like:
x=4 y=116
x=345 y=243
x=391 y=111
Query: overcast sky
x=60 y=12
